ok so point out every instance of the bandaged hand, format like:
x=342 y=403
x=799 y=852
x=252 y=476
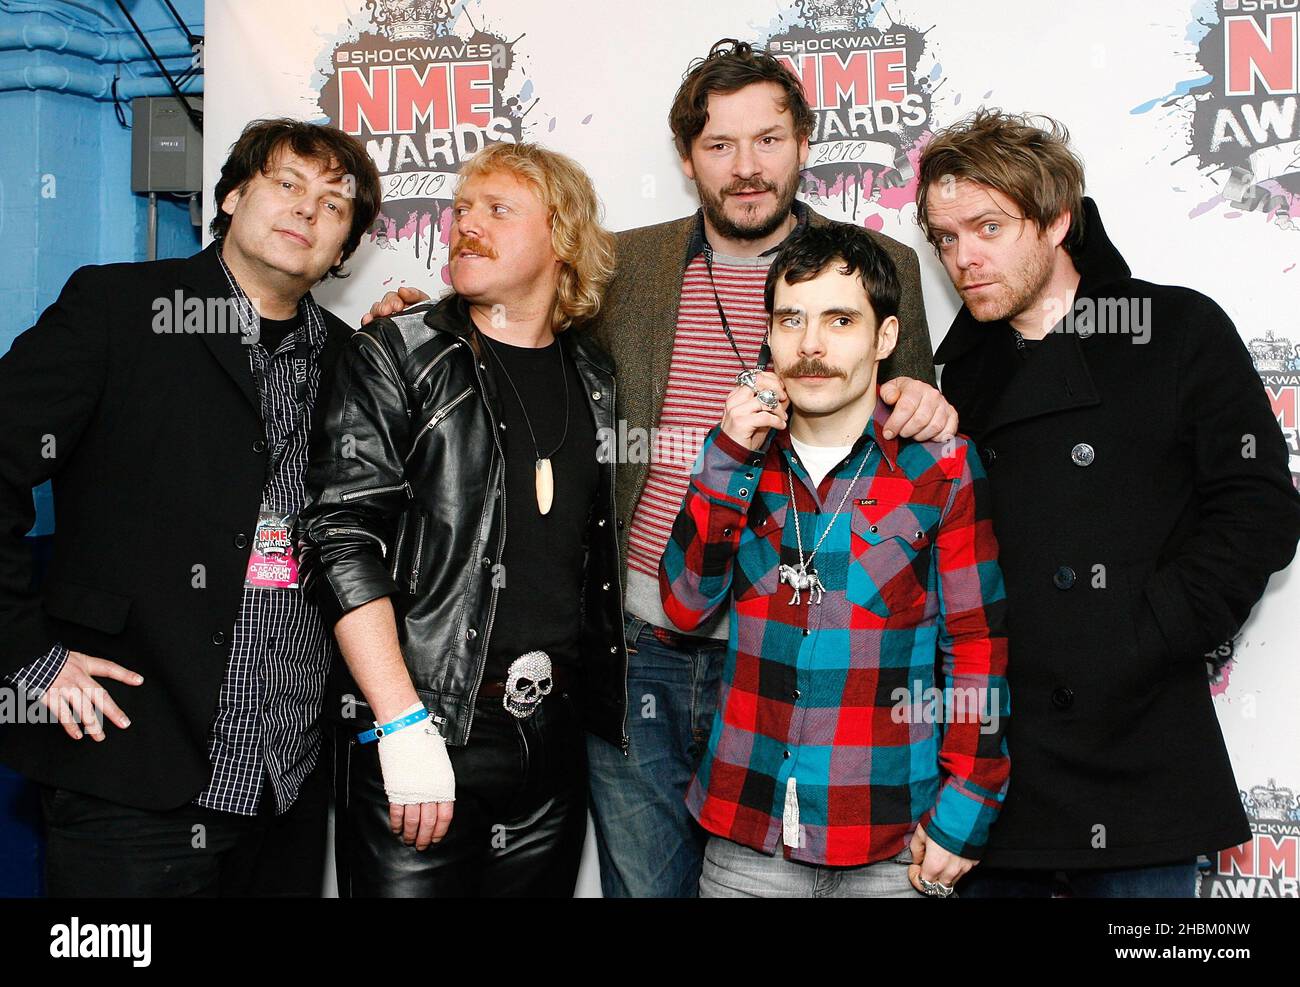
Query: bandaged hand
x=415 y=764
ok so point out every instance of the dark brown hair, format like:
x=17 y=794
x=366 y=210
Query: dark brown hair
x=811 y=249
x=729 y=67
x=261 y=143
x=1031 y=165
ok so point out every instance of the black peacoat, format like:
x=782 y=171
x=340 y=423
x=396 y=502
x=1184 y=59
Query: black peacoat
x=1141 y=499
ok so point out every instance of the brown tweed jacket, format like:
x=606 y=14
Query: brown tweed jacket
x=638 y=319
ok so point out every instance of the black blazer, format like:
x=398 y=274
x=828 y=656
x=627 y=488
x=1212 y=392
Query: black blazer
x=155 y=445
x=1136 y=532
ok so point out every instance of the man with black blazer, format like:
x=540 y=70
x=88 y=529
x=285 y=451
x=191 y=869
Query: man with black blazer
x=1141 y=499
x=170 y=404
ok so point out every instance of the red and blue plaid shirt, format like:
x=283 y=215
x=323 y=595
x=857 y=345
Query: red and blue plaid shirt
x=886 y=703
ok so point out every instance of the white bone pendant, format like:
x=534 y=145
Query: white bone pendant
x=545 y=482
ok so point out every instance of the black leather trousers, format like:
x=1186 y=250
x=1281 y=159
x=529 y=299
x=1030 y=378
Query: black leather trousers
x=519 y=821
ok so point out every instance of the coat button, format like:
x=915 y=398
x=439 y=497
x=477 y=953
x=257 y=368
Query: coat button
x=259 y=445
x=988 y=455
x=595 y=395
x=796 y=694
x=605 y=587
x=1062 y=698
x=219 y=638
x=1083 y=454
x=1063 y=577
x=786 y=755
x=486 y=563
x=471 y=634
x=744 y=492
x=241 y=540
x=613 y=651
x=620 y=524
x=600 y=522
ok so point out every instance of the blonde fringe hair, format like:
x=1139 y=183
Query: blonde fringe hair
x=584 y=247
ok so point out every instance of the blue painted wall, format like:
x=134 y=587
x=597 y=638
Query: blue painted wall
x=66 y=201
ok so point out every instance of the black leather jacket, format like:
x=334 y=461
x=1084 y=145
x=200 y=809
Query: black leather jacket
x=406 y=498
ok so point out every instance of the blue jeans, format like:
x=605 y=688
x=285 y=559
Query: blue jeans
x=735 y=871
x=648 y=844
x=1162 y=881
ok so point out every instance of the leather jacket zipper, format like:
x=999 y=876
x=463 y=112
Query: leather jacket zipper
x=428 y=367
x=437 y=419
x=397 y=544
x=383 y=549
x=371 y=491
x=419 y=552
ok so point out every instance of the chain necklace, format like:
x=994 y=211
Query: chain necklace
x=544 y=476
x=804 y=577
x=746 y=375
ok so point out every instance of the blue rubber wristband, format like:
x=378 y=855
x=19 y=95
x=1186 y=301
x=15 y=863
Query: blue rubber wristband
x=385 y=729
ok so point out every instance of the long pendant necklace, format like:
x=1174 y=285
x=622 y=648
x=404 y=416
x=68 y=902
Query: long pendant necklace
x=805 y=576
x=543 y=475
x=747 y=375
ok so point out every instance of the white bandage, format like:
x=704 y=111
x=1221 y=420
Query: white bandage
x=415 y=764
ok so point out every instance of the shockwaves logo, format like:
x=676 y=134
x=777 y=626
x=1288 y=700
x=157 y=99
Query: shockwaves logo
x=1268 y=864
x=860 y=72
x=1219 y=664
x=423 y=88
x=1244 y=128
x=1277 y=361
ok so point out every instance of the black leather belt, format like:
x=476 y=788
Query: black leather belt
x=496 y=688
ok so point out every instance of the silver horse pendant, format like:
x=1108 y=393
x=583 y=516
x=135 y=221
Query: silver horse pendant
x=800 y=579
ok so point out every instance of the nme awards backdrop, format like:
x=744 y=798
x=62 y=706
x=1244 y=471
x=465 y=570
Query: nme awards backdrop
x=1184 y=111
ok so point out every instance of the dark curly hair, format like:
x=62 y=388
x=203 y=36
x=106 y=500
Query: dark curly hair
x=811 y=249
x=263 y=140
x=729 y=67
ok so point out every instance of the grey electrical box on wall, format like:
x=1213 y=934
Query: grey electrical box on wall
x=166 y=150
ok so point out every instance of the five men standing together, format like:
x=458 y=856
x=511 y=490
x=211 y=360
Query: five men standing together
x=521 y=614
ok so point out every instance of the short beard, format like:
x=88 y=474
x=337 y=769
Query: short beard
x=731 y=230
x=1037 y=275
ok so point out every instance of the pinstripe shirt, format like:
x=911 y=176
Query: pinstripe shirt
x=843 y=724
x=268 y=716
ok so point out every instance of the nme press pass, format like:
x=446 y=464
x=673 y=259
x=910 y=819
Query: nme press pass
x=102 y=940
x=271 y=562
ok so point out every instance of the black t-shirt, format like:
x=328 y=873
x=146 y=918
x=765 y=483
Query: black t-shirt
x=540 y=601
x=273 y=331
x=1025 y=346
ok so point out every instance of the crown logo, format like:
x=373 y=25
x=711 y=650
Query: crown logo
x=410 y=20
x=1269 y=353
x=1272 y=801
x=831 y=15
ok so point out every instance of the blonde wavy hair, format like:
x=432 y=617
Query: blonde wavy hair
x=584 y=247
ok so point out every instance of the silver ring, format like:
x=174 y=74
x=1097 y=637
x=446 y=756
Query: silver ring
x=767 y=398
x=748 y=379
x=936 y=889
